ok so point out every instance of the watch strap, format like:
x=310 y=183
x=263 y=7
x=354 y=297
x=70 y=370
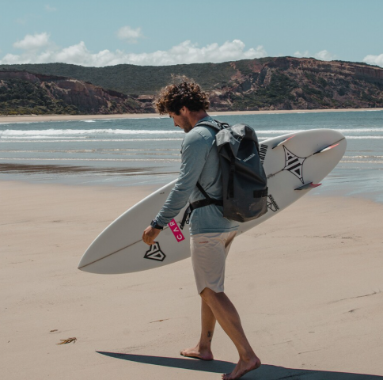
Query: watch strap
x=154 y=224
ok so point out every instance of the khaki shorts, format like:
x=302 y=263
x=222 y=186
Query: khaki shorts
x=208 y=254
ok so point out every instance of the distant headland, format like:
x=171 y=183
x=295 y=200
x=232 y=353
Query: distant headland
x=267 y=84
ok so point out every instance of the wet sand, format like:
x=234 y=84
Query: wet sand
x=307 y=283
x=42 y=118
x=68 y=169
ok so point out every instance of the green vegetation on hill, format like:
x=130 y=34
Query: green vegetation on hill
x=254 y=84
x=277 y=92
x=130 y=79
x=20 y=97
x=142 y=80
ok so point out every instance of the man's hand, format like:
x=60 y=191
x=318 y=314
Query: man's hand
x=150 y=235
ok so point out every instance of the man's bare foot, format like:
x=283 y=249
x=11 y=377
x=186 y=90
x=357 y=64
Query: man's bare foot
x=242 y=368
x=197 y=353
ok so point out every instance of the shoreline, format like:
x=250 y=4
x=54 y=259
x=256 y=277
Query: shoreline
x=47 y=118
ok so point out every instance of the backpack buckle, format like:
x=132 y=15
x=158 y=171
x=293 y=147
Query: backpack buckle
x=186 y=217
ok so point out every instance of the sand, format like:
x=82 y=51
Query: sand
x=307 y=284
x=42 y=118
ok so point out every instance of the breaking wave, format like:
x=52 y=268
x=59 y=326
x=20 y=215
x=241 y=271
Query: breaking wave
x=64 y=132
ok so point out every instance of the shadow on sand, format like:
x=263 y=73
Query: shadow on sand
x=266 y=372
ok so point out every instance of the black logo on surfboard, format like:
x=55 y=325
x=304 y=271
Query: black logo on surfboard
x=294 y=164
x=262 y=152
x=155 y=253
x=271 y=204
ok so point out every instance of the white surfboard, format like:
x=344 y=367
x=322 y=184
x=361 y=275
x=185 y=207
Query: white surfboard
x=294 y=163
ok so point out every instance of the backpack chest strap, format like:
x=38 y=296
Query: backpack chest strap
x=205 y=202
x=197 y=204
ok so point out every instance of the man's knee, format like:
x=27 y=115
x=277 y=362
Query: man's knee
x=208 y=295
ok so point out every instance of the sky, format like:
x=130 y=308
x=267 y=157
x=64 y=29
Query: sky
x=153 y=32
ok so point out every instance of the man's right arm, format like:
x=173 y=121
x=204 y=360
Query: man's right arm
x=194 y=154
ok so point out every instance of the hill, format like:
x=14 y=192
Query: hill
x=257 y=84
x=24 y=93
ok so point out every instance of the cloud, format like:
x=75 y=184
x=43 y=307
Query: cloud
x=185 y=52
x=325 y=55
x=374 y=60
x=73 y=54
x=129 y=35
x=21 y=21
x=298 y=54
x=48 y=8
x=35 y=42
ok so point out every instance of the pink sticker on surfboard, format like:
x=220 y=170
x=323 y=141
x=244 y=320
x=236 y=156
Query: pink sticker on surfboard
x=176 y=230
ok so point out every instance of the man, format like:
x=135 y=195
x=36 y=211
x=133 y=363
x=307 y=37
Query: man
x=211 y=233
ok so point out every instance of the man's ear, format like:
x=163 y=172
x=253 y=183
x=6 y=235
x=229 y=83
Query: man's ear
x=184 y=111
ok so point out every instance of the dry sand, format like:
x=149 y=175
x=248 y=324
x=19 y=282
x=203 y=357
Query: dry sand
x=42 y=118
x=307 y=283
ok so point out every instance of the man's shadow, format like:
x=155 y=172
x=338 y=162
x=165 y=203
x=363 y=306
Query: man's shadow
x=265 y=372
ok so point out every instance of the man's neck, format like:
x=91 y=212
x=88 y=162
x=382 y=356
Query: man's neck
x=197 y=116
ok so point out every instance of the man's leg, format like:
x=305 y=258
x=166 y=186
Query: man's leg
x=203 y=349
x=227 y=316
x=208 y=253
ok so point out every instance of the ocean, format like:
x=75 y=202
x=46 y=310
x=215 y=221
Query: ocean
x=146 y=151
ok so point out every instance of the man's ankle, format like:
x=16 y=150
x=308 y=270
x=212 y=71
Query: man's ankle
x=202 y=347
x=248 y=356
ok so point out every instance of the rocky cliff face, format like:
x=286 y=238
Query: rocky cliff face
x=258 y=84
x=26 y=93
x=292 y=83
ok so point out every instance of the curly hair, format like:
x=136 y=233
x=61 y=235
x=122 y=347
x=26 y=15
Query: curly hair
x=177 y=95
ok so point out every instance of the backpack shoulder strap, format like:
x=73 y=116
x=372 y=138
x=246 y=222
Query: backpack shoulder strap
x=201 y=189
x=219 y=126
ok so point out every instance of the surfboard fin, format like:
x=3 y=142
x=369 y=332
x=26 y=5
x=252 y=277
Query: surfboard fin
x=325 y=149
x=308 y=186
x=282 y=142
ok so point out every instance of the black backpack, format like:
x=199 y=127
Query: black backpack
x=244 y=181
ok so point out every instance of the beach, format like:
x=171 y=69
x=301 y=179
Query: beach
x=44 y=118
x=307 y=284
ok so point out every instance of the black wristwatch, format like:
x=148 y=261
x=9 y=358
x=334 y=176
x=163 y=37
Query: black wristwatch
x=154 y=224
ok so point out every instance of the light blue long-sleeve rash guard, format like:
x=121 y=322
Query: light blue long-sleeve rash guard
x=199 y=163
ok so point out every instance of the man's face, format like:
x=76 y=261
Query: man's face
x=181 y=120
